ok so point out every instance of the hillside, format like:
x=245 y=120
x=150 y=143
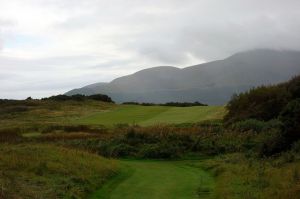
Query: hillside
x=211 y=83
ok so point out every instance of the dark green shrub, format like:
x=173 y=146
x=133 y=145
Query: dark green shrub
x=293 y=87
x=160 y=151
x=290 y=116
x=175 y=104
x=79 y=97
x=262 y=103
x=273 y=124
x=250 y=124
x=271 y=143
x=296 y=146
x=257 y=125
x=100 y=97
x=120 y=150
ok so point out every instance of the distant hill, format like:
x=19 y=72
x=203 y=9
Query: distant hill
x=212 y=83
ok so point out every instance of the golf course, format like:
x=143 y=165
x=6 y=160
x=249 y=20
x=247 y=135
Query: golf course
x=75 y=147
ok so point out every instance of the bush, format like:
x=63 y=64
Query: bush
x=175 y=104
x=119 y=150
x=250 y=124
x=100 y=97
x=262 y=103
x=257 y=125
x=296 y=146
x=160 y=151
x=79 y=97
x=290 y=116
x=293 y=87
x=272 y=142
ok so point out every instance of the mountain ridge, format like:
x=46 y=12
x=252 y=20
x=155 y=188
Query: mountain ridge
x=212 y=83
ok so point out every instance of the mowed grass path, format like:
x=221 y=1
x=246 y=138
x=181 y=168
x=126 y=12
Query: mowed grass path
x=157 y=180
x=149 y=115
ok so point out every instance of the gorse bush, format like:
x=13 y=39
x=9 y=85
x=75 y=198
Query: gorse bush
x=272 y=142
x=266 y=108
x=290 y=116
x=262 y=103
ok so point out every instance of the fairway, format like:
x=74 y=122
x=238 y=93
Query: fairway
x=149 y=115
x=157 y=180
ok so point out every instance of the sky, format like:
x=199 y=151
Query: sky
x=48 y=47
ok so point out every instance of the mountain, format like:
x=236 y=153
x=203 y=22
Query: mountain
x=212 y=83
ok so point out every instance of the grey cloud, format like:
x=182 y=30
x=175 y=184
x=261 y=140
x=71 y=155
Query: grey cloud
x=47 y=64
x=44 y=77
x=145 y=33
x=4 y=24
x=169 y=30
x=219 y=31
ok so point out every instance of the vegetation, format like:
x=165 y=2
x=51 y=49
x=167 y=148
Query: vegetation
x=57 y=144
x=176 y=104
x=238 y=176
x=263 y=103
x=47 y=171
x=278 y=102
x=79 y=97
x=64 y=164
x=34 y=115
x=177 y=180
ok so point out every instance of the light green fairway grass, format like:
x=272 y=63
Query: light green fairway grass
x=157 y=180
x=177 y=115
x=149 y=115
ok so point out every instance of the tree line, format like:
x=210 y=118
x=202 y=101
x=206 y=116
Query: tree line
x=176 y=104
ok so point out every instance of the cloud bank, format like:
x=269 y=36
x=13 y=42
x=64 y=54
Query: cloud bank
x=50 y=46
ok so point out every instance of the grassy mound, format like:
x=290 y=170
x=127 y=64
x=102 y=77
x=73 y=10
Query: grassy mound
x=46 y=171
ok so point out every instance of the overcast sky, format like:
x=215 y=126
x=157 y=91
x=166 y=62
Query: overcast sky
x=48 y=47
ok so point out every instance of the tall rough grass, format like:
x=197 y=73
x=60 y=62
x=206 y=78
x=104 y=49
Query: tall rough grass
x=238 y=177
x=46 y=171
